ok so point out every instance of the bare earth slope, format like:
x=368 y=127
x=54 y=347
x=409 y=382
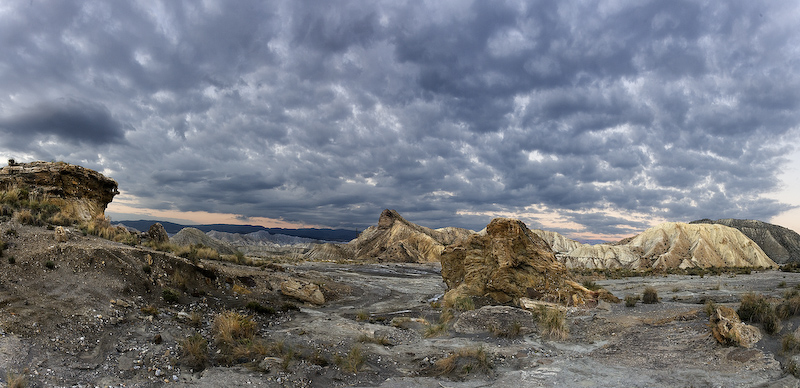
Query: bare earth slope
x=782 y=245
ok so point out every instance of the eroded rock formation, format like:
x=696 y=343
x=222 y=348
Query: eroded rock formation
x=728 y=329
x=85 y=193
x=393 y=240
x=507 y=262
x=669 y=245
x=782 y=245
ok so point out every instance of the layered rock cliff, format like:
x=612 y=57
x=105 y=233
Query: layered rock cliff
x=85 y=193
x=782 y=245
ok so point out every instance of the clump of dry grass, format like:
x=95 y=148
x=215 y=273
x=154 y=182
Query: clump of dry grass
x=650 y=295
x=234 y=335
x=630 y=300
x=354 y=360
x=377 y=339
x=756 y=308
x=552 y=322
x=14 y=380
x=194 y=352
x=464 y=362
x=435 y=330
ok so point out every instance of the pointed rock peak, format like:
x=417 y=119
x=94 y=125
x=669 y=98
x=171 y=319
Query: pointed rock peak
x=388 y=217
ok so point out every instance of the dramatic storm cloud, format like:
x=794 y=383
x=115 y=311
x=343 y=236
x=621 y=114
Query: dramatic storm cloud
x=587 y=117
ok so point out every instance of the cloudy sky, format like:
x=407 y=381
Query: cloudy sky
x=597 y=119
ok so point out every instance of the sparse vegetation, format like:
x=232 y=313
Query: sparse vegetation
x=650 y=295
x=552 y=322
x=591 y=285
x=630 y=300
x=149 y=310
x=234 y=335
x=258 y=308
x=709 y=307
x=435 y=330
x=49 y=264
x=464 y=362
x=14 y=380
x=756 y=308
x=513 y=330
x=362 y=315
x=169 y=295
x=194 y=352
x=790 y=344
x=378 y=340
x=464 y=303
x=353 y=361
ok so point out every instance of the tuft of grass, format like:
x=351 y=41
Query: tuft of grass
x=790 y=306
x=169 y=295
x=194 y=352
x=464 y=303
x=362 y=315
x=378 y=340
x=464 y=362
x=149 y=310
x=258 y=308
x=49 y=264
x=14 y=380
x=354 y=360
x=234 y=335
x=435 y=330
x=650 y=295
x=790 y=345
x=591 y=285
x=756 y=308
x=552 y=323
x=511 y=331
x=630 y=300
x=710 y=307
x=782 y=284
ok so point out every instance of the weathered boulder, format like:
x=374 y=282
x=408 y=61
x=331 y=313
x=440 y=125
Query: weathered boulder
x=85 y=193
x=728 y=329
x=61 y=234
x=505 y=263
x=157 y=233
x=305 y=291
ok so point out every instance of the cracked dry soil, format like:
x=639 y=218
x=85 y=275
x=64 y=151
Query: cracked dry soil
x=71 y=315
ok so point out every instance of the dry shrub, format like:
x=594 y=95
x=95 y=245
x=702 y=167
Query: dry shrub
x=435 y=330
x=24 y=216
x=756 y=308
x=630 y=300
x=464 y=303
x=650 y=295
x=234 y=334
x=14 y=380
x=790 y=344
x=552 y=322
x=463 y=362
x=194 y=352
x=353 y=361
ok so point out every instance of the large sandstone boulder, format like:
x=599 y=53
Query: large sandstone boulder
x=305 y=291
x=84 y=193
x=158 y=234
x=728 y=329
x=507 y=262
x=782 y=245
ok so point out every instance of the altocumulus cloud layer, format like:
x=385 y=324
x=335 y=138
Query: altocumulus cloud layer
x=600 y=116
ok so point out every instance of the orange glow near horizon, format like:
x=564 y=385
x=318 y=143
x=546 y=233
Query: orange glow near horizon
x=201 y=217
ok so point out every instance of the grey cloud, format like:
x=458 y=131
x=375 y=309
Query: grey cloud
x=69 y=119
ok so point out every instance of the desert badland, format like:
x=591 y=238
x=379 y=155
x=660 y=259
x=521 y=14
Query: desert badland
x=87 y=303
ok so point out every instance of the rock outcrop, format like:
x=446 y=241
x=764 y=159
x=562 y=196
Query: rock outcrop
x=194 y=236
x=728 y=329
x=157 y=234
x=670 y=245
x=394 y=240
x=84 y=193
x=782 y=245
x=507 y=262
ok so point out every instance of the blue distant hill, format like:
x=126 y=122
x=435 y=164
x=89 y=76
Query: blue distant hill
x=341 y=235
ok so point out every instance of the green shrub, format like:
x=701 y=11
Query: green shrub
x=650 y=295
x=756 y=308
x=169 y=295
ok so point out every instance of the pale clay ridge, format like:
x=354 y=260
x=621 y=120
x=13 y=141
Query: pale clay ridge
x=668 y=245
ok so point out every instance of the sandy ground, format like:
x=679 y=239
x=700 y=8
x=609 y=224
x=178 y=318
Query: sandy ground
x=78 y=322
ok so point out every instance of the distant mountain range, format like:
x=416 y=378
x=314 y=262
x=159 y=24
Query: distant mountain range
x=340 y=235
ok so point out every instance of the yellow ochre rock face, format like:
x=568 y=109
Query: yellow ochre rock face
x=85 y=192
x=506 y=263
